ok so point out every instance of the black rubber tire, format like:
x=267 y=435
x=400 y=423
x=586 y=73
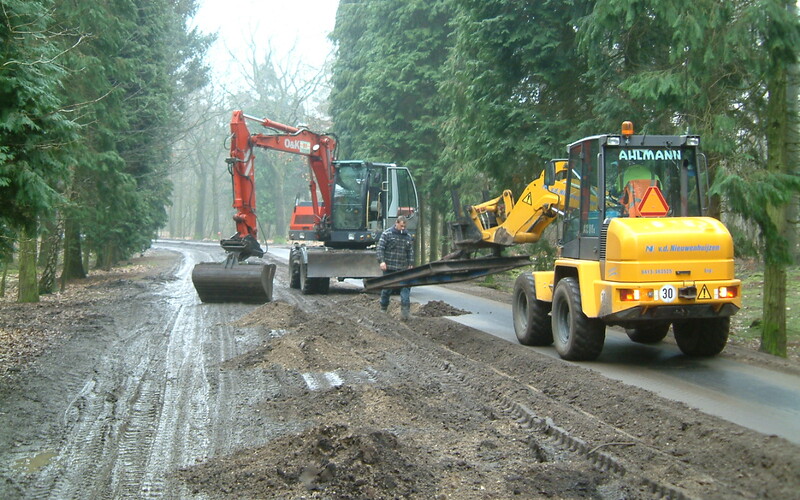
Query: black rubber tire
x=532 y=322
x=702 y=337
x=306 y=283
x=294 y=269
x=576 y=336
x=648 y=333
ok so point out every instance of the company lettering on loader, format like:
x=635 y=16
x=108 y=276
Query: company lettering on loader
x=650 y=154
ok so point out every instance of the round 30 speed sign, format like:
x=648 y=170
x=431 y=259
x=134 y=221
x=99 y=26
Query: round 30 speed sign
x=668 y=293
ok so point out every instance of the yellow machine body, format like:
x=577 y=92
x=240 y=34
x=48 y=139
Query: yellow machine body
x=648 y=262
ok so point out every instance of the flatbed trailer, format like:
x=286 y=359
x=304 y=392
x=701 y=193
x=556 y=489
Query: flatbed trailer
x=442 y=272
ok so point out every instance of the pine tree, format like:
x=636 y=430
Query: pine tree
x=385 y=100
x=34 y=131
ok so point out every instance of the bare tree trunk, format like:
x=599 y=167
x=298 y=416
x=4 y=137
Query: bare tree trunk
x=793 y=158
x=51 y=246
x=200 y=214
x=435 y=223
x=421 y=256
x=3 y=278
x=28 y=286
x=215 y=222
x=107 y=256
x=73 y=263
x=773 y=332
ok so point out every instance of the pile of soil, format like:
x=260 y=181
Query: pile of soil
x=274 y=315
x=335 y=460
x=438 y=309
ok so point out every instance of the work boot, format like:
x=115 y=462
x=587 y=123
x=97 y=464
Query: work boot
x=385 y=308
x=405 y=312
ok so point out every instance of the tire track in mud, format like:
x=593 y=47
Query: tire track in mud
x=184 y=424
x=163 y=397
x=515 y=399
x=106 y=448
x=148 y=407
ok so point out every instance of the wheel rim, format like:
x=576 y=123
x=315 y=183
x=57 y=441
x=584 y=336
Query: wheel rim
x=521 y=318
x=562 y=323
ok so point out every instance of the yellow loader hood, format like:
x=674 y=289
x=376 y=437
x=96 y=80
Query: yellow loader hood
x=670 y=248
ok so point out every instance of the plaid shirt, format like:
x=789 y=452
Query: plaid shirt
x=396 y=249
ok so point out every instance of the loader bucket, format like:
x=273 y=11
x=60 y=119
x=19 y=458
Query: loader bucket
x=249 y=283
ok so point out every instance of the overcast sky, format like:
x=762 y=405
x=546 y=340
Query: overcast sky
x=283 y=24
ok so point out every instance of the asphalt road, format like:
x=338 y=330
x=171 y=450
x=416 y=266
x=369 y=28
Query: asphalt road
x=761 y=399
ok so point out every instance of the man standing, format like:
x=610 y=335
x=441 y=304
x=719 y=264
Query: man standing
x=396 y=253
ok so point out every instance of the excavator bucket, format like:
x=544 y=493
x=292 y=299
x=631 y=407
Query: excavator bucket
x=243 y=282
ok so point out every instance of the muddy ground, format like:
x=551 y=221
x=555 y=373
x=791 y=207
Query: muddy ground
x=326 y=397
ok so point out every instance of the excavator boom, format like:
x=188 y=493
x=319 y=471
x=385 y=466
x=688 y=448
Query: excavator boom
x=235 y=280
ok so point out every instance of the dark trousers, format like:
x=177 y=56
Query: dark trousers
x=405 y=294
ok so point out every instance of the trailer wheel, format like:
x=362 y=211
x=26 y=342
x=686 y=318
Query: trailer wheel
x=531 y=322
x=576 y=336
x=702 y=337
x=649 y=333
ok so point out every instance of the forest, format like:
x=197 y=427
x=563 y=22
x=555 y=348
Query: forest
x=113 y=132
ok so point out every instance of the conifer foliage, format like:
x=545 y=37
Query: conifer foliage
x=88 y=93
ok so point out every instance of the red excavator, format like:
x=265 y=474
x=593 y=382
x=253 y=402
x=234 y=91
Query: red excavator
x=352 y=202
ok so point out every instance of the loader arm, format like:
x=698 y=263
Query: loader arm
x=502 y=222
x=496 y=223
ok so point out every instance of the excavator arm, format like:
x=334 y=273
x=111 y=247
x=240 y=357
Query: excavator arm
x=236 y=280
x=319 y=148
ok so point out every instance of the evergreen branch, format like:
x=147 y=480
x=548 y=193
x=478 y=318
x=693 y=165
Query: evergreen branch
x=79 y=105
x=46 y=61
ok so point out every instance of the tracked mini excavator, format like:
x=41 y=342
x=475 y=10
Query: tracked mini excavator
x=635 y=248
x=352 y=202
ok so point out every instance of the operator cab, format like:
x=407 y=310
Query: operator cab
x=628 y=175
x=368 y=198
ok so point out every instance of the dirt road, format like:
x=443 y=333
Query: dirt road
x=149 y=394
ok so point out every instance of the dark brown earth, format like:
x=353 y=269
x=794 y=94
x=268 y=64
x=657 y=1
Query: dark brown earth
x=424 y=409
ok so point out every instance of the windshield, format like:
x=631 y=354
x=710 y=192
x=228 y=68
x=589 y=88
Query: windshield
x=630 y=172
x=348 y=196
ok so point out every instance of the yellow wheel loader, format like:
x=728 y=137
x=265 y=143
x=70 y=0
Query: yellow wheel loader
x=635 y=248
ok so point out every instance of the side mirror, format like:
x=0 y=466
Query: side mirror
x=550 y=173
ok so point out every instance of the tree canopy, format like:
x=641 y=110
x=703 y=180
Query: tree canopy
x=88 y=89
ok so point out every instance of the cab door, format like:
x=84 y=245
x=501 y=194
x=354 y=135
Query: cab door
x=581 y=222
x=401 y=196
